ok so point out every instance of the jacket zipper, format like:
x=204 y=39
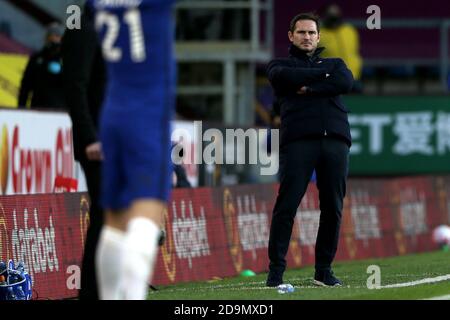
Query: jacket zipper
x=310 y=62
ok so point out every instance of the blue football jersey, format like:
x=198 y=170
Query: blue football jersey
x=137 y=39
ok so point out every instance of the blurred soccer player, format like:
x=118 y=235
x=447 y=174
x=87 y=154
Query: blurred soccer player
x=135 y=134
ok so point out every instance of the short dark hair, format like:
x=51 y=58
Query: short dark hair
x=304 y=16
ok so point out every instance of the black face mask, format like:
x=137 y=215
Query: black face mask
x=332 y=21
x=53 y=48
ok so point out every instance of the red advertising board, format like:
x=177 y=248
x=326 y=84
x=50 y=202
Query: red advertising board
x=46 y=232
x=219 y=232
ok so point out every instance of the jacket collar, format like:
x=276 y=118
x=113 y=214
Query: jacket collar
x=296 y=52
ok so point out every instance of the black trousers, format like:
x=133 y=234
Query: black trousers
x=89 y=290
x=329 y=157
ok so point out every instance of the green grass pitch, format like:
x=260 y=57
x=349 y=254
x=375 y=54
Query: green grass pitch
x=400 y=270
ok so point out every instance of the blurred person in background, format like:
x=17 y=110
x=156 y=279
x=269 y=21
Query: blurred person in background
x=42 y=85
x=341 y=40
x=137 y=41
x=264 y=101
x=180 y=179
x=84 y=82
x=179 y=176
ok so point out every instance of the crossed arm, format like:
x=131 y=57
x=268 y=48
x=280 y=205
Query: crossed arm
x=310 y=81
x=339 y=81
x=287 y=79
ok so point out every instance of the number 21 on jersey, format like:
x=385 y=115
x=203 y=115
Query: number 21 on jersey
x=132 y=19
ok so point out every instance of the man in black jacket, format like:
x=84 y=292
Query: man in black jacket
x=315 y=134
x=41 y=85
x=84 y=87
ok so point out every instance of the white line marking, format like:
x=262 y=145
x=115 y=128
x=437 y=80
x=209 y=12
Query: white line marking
x=446 y=297
x=251 y=285
x=417 y=282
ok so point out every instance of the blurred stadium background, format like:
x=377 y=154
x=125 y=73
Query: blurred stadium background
x=399 y=165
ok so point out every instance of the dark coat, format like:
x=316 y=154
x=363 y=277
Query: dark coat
x=42 y=80
x=182 y=180
x=320 y=112
x=85 y=80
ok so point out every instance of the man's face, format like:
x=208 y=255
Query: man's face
x=53 y=38
x=305 y=36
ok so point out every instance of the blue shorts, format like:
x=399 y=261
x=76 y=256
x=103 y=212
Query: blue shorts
x=137 y=163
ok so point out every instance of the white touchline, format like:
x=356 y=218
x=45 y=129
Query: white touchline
x=417 y=282
x=240 y=285
x=446 y=297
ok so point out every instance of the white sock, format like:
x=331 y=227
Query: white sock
x=141 y=247
x=108 y=262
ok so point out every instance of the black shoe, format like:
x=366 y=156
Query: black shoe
x=153 y=288
x=162 y=237
x=274 y=280
x=326 y=278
